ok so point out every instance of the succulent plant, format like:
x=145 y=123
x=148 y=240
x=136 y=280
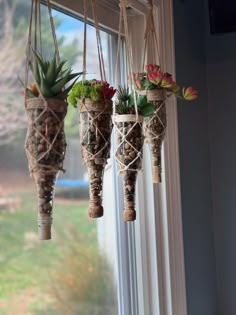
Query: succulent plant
x=93 y=89
x=125 y=103
x=154 y=78
x=51 y=79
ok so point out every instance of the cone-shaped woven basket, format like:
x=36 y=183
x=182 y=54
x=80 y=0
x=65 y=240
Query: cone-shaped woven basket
x=95 y=137
x=129 y=157
x=45 y=148
x=154 y=130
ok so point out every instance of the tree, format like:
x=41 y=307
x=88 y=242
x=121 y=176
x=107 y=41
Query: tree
x=11 y=53
x=14 y=19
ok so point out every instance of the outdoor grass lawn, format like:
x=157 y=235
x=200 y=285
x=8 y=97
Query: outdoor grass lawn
x=26 y=264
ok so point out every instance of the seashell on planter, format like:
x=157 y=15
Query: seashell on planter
x=129 y=158
x=95 y=137
x=155 y=129
x=45 y=147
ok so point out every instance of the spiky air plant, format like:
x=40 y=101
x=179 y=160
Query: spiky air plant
x=51 y=80
x=125 y=103
x=122 y=100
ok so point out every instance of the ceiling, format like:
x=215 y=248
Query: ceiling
x=114 y=4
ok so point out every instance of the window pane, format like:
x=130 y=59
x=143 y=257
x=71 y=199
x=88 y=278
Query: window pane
x=72 y=273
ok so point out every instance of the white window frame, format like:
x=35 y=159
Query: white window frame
x=160 y=232
x=153 y=246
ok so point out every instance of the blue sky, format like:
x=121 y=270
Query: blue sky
x=69 y=23
x=72 y=28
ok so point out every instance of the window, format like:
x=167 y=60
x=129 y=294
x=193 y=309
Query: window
x=147 y=274
x=70 y=274
x=150 y=251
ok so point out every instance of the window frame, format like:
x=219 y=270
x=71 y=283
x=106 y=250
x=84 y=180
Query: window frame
x=161 y=231
x=154 y=244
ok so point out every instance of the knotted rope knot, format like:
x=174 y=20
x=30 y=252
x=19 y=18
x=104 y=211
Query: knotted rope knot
x=126 y=3
x=157 y=110
x=149 y=5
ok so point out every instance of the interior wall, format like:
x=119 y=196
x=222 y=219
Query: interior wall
x=221 y=70
x=195 y=164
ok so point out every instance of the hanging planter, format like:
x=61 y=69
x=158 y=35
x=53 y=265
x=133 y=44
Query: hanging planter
x=45 y=148
x=93 y=99
x=129 y=158
x=155 y=129
x=158 y=86
x=46 y=108
x=45 y=141
x=130 y=111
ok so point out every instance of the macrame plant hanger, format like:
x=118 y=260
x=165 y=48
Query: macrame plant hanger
x=128 y=130
x=154 y=126
x=95 y=125
x=45 y=143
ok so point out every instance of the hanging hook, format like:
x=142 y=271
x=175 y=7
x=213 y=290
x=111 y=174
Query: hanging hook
x=127 y=3
x=149 y=5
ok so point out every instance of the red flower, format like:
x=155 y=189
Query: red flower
x=138 y=84
x=167 y=81
x=189 y=93
x=34 y=89
x=155 y=77
x=108 y=91
x=151 y=68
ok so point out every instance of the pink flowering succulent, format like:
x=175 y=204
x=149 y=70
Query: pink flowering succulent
x=151 y=68
x=154 y=78
x=190 y=93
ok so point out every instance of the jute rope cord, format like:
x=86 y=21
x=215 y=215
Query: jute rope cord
x=45 y=109
x=154 y=126
x=35 y=20
x=158 y=115
x=124 y=137
x=45 y=141
x=34 y=160
x=151 y=48
x=95 y=123
x=154 y=131
x=93 y=120
x=123 y=17
x=128 y=129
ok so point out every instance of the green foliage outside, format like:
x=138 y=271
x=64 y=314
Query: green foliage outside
x=21 y=14
x=67 y=275
x=14 y=24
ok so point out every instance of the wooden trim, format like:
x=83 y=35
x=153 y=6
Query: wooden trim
x=76 y=8
x=105 y=8
x=172 y=170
